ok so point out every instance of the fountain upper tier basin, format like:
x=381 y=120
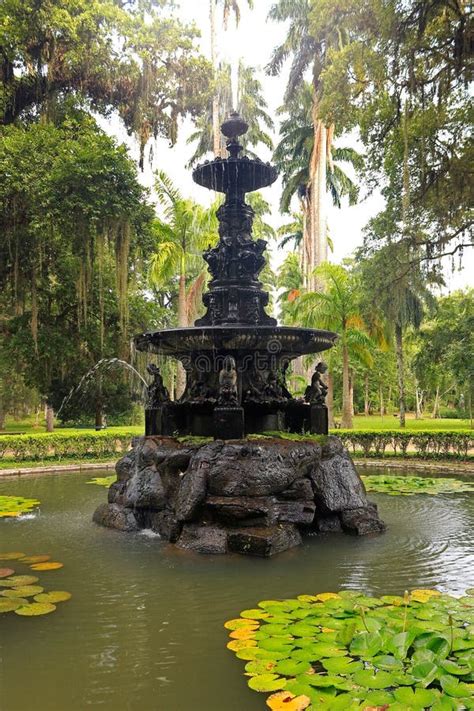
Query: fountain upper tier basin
x=284 y=341
x=234 y=175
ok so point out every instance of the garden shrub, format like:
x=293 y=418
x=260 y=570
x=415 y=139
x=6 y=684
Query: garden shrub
x=426 y=445
x=57 y=445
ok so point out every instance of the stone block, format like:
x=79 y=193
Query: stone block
x=203 y=539
x=362 y=521
x=327 y=524
x=265 y=541
x=337 y=485
x=192 y=491
x=145 y=490
x=114 y=516
x=319 y=420
x=300 y=489
x=301 y=512
x=228 y=423
x=240 y=510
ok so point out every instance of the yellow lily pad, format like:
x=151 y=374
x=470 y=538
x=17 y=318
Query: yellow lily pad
x=35 y=559
x=254 y=614
x=423 y=595
x=11 y=556
x=238 y=644
x=327 y=596
x=243 y=633
x=284 y=701
x=23 y=591
x=53 y=596
x=239 y=623
x=46 y=566
x=35 y=609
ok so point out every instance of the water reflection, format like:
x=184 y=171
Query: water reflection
x=144 y=628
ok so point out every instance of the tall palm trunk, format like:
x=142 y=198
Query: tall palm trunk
x=400 y=372
x=346 y=395
x=435 y=413
x=216 y=139
x=366 y=396
x=49 y=418
x=182 y=321
x=330 y=400
x=382 y=407
x=318 y=195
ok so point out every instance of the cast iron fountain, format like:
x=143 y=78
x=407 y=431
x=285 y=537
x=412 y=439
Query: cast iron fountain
x=244 y=492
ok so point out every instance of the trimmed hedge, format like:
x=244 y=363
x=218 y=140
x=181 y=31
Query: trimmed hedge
x=426 y=444
x=64 y=443
x=56 y=445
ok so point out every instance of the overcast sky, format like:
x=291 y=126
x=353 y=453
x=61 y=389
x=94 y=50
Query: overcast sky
x=253 y=41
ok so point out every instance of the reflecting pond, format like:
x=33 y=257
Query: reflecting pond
x=144 y=629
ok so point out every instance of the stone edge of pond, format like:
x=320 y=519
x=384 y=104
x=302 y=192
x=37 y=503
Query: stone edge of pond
x=447 y=467
x=58 y=468
x=439 y=466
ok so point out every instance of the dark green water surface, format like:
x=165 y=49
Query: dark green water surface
x=144 y=629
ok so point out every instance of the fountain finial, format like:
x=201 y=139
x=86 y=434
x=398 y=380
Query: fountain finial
x=233 y=127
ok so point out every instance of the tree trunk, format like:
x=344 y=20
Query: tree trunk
x=49 y=418
x=318 y=170
x=346 y=422
x=435 y=413
x=400 y=372
x=330 y=400
x=419 y=403
x=2 y=418
x=351 y=390
x=182 y=321
x=216 y=134
x=382 y=408
x=366 y=396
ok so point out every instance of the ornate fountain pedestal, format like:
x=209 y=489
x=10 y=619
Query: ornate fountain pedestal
x=254 y=497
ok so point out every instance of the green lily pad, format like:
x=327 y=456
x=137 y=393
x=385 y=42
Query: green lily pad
x=17 y=580
x=415 y=698
x=267 y=682
x=10 y=604
x=53 y=596
x=292 y=667
x=254 y=614
x=106 y=481
x=410 y=485
x=29 y=559
x=35 y=609
x=260 y=666
x=23 y=591
x=341 y=665
x=373 y=680
x=14 y=506
x=11 y=556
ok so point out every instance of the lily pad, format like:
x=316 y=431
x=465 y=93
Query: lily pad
x=34 y=559
x=53 y=596
x=373 y=680
x=46 y=566
x=103 y=480
x=35 y=609
x=11 y=556
x=284 y=701
x=267 y=682
x=410 y=485
x=14 y=506
x=239 y=624
x=23 y=591
x=17 y=580
x=6 y=572
x=9 y=605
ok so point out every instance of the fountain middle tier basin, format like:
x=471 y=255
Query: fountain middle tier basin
x=283 y=341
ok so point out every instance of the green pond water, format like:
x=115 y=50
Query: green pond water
x=144 y=629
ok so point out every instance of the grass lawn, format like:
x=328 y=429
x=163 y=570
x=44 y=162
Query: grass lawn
x=52 y=462
x=28 y=426
x=389 y=422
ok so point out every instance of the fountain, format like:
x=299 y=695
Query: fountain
x=245 y=492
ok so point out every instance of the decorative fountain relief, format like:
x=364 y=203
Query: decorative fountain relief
x=243 y=492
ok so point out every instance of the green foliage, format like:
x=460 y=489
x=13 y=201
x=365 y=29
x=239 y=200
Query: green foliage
x=409 y=485
x=65 y=444
x=353 y=651
x=136 y=58
x=428 y=444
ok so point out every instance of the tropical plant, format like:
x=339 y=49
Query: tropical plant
x=336 y=308
x=181 y=236
x=228 y=7
x=293 y=157
x=250 y=104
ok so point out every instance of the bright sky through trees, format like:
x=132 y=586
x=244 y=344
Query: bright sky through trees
x=253 y=41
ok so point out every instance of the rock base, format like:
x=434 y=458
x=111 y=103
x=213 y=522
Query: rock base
x=250 y=497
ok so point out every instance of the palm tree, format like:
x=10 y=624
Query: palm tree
x=336 y=309
x=307 y=53
x=250 y=104
x=187 y=228
x=228 y=7
x=293 y=157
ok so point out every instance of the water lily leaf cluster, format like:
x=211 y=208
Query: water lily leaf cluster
x=409 y=485
x=103 y=480
x=15 y=506
x=349 y=651
x=20 y=593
